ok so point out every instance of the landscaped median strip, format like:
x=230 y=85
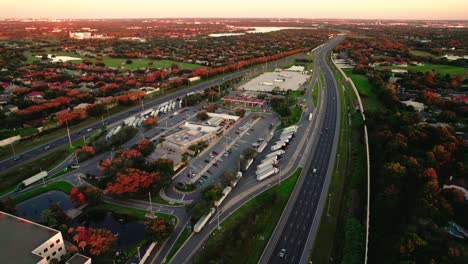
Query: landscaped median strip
x=245 y=233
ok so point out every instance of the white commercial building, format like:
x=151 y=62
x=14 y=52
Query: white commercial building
x=24 y=242
x=279 y=80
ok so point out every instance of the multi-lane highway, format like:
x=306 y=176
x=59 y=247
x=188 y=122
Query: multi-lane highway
x=249 y=188
x=296 y=231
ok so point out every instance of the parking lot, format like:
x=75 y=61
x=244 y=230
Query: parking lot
x=227 y=157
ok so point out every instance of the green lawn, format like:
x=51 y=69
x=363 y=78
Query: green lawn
x=439 y=68
x=315 y=93
x=119 y=62
x=366 y=91
x=180 y=241
x=58 y=185
x=421 y=53
x=244 y=235
x=120 y=209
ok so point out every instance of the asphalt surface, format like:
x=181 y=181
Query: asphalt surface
x=237 y=141
x=248 y=187
x=75 y=135
x=297 y=229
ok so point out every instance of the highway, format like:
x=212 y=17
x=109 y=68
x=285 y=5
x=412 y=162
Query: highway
x=75 y=135
x=249 y=187
x=298 y=226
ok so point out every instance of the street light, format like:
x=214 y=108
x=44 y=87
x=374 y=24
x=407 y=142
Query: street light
x=217 y=207
x=139 y=257
x=151 y=205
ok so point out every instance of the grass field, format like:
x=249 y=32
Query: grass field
x=421 y=53
x=58 y=185
x=438 y=68
x=118 y=209
x=180 y=241
x=119 y=62
x=315 y=94
x=368 y=96
x=244 y=235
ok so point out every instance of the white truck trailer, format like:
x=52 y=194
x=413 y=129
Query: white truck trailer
x=267 y=173
x=226 y=191
x=203 y=220
x=31 y=180
x=275 y=153
x=262 y=147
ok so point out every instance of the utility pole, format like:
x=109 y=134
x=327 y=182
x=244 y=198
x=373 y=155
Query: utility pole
x=13 y=149
x=279 y=175
x=217 y=207
x=151 y=205
x=139 y=258
x=68 y=133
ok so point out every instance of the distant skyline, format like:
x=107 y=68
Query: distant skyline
x=351 y=9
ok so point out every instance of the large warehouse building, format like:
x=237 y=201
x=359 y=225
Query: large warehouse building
x=281 y=80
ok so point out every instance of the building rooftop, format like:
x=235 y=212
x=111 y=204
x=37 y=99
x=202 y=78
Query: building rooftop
x=243 y=99
x=19 y=237
x=78 y=259
x=284 y=80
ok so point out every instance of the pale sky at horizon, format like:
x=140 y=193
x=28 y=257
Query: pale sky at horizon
x=365 y=9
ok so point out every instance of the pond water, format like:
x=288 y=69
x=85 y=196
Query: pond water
x=453 y=229
x=60 y=58
x=130 y=231
x=32 y=208
x=258 y=30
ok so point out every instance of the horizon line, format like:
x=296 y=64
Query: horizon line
x=208 y=17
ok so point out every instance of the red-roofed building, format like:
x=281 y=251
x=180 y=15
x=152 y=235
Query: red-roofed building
x=34 y=96
x=460 y=98
x=243 y=101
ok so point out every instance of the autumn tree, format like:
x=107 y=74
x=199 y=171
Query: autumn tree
x=202 y=115
x=85 y=152
x=145 y=147
x=132 y=181
x=77 y=197
x=150 y=122
x=159 y=229
x=94 y=241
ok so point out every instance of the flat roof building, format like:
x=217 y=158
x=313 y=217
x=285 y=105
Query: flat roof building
x=243 y=101
x=79 y=259
x=281 y=80
x=192 y=134
x=25 y=242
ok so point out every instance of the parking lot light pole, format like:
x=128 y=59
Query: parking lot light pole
x=217 y=208
x=151 y=205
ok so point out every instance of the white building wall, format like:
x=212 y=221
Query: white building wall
x=52 y=248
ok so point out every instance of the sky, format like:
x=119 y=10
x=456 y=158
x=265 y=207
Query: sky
x=364 y=9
